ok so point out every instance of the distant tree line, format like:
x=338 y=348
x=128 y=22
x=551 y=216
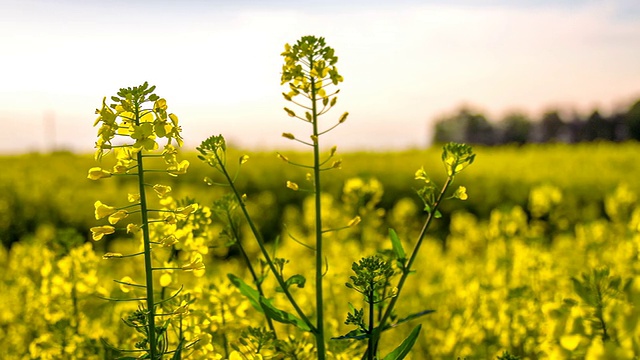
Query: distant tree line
x=517 y=128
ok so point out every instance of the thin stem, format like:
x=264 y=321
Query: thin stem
x=148 y=268
x=319 y=234
x=371 y=323
x=407 y=267
x=263 y=249
x=251 y=269
x=302 y=106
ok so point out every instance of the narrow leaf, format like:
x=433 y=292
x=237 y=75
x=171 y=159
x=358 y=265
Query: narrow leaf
x=353 y=335
x=411 y=317
x=397 y=245
x=250 y=293
x=282 y=316
x=401 y=351
x=178 y=354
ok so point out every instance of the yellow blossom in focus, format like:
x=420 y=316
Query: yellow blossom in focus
x=132 y=229
x=355 y=221
x=422 y=175
x=179 y=168
x=120 y=168
x=185 y=211
x=103 y=210
x=160 y=104
x=98 y=232
x=96 y=173
x=293 y=186
x=117 y=216
x=161 y=190
x=169 y=154
x=170 y=219
x=461 y=193
x=169 y=241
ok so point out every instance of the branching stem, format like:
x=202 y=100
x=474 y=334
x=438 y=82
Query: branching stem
x=407 y=268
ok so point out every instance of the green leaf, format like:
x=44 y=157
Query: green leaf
x=353 y=335
x=178 y=354
x=401 y=351
x=410 y=317
x=397 y=245
x=282 y=316
x=297 y=280
x=250 y=293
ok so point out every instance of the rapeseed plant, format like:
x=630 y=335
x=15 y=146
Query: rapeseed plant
x=309 y=71
x=131 y=128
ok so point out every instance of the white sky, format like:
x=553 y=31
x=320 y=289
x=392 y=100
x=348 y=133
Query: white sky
x=218 y=65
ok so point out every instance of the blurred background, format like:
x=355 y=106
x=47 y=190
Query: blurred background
x=406 y=66
x=546 y=91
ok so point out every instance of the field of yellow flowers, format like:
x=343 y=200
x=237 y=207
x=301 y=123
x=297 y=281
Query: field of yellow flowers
x=540 y=261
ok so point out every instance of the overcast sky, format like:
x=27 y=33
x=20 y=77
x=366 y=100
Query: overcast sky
x=405 y=63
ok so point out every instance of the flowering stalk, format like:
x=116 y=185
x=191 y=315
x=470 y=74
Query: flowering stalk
x=455 y=157
x=213 y=152
x=308 y=69
x=139 y=125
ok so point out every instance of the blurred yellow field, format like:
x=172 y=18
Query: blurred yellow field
x=539 y=261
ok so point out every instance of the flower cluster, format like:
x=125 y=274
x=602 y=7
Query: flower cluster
x=139 y=117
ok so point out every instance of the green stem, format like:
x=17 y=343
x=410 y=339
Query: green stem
x=251 y=269
x=262 y=246
x=407 y=268
x=371 y=323
x=225 y=340
x=147 y=252
x=318 y=205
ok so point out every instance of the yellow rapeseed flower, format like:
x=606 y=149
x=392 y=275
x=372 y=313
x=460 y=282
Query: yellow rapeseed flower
x=185 y=211
x=98 y=232
x=195 y=264
x=168 y=241
x=293 y=186
x=170 y=219
x=179 y=168
x=461 y=193
x=103 y=210
x=161 y=190
x=133 y=229
x=96 y=173
x=117 y=216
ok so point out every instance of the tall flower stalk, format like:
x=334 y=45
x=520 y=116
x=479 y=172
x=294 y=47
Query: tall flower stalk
x=130 y=128
x=309 y=70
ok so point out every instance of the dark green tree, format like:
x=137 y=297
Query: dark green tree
x=552 y=128
x=466 y=126
x=515 y=128
x=632 y=121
